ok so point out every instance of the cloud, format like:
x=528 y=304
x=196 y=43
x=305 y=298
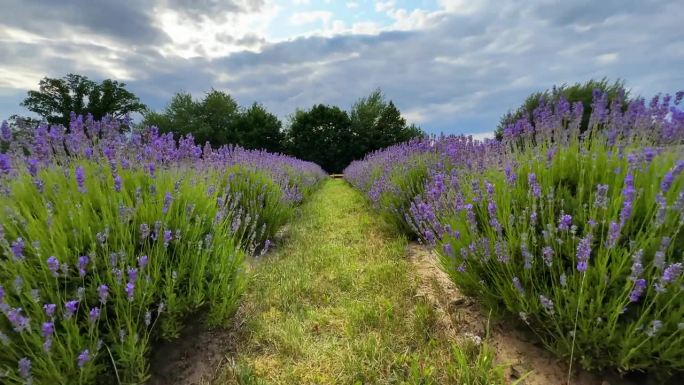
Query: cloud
x=455 y=69
x=301 y=18
x=384 y=6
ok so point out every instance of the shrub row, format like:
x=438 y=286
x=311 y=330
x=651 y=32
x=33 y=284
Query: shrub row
x=578 y=235
x=111 y=239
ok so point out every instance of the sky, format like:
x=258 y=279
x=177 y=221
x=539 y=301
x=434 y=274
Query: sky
x=451 y=66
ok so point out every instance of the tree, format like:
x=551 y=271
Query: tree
x=259 y=129
x=208 y=120
x=578 y=92
x=322 y=135
x=376 y=124
x=219 y=120
x=56 y=99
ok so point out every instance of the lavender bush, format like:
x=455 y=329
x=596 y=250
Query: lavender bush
x=580 y=236
x=109 y=240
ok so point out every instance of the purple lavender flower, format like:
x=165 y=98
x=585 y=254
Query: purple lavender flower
x=117 y=183
x=144 y=231
x=518 y=285
x=637 y=267
x=5 y=164
x=565 y=222
x=666 y=182
x=528 y=257
x=130 y=290
x=613 y=234
x=511 y=177
x=118 y=274
x=32 y=166
x=671 y=273
x=448 y=250
x=142 y=261
x=167 y=202
x=18 y=321
x=18 y=249
x=50 y=309
x=80 y=179
x=47 y=344
x=94 y=314
x=5 y=132
x=102 y=236
x=2 y=294
x=70 y=308
x=25 y=368
x=148 y=318
x=53 y=265
x=629 y=193
x=103 y=293
x=491 y=208
x=638 y=290
x=48 y=329
x=82 y=265
x=132 y=274
x=168 y=235
x=534 y=186
x=547 y=255
x=546 y=303
x=501 y=252
x=83 y=358
x=583 y=253
x=601 y=200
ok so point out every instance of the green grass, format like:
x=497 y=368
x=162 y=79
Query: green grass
x=336 y=304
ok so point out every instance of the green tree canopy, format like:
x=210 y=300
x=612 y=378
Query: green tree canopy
x=219 y=120
x=211 y=119
x=376 y=124
x=57 y=98
x=578 y=92
x=259 y=129
x=322 y=135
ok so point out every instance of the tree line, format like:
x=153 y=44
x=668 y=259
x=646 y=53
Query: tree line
x=324 y=134
x=327 y=135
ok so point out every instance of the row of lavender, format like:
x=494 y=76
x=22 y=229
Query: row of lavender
x=578 y=234
x=110 y=239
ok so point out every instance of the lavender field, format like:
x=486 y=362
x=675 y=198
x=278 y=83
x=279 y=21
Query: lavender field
x=114 y=237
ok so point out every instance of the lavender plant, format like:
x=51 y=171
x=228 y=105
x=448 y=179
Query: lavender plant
x=109 y=240
x=577 y=235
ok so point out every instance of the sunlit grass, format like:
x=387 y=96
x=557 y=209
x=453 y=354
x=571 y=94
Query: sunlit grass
x=336 y=304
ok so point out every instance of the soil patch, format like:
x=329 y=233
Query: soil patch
x=460 y=316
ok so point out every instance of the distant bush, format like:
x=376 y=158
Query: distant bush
x=537 y=105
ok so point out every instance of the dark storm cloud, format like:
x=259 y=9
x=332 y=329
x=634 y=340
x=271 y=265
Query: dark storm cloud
x=129 y=21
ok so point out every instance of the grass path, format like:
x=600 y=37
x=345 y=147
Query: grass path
x=337 y=304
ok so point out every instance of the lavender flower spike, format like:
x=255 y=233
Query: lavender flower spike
x=80 y=179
